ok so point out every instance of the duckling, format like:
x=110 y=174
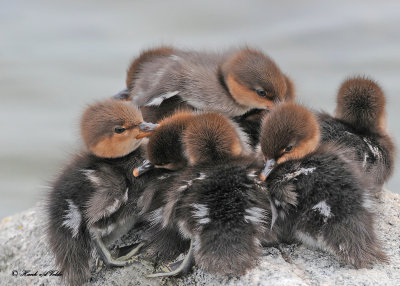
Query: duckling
x=165 y=148
x=216 y=203
x=93 y=201
x=317 y=195
x=164 y=79
x=359 y=124
x=164 y=151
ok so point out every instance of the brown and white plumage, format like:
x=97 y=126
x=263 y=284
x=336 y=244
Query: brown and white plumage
x=93 y=201
x=164 y=79
x=215 y=202
x=318 y=196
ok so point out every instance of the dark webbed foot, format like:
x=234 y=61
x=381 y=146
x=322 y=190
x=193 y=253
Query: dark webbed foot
x=106 y=256
x=177 y=268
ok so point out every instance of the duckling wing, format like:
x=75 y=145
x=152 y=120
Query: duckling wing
x=158 y=80
x=283 y=195
x=111 y=191
x=372 y=151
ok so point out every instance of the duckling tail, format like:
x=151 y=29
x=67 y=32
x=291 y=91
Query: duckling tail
x=227 y=249
x=355 y=241
x=72 y=255
x=69 y=242
x=361 y=103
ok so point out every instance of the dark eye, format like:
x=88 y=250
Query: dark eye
x=261 y=93
x=119 y=130
x=288 y=149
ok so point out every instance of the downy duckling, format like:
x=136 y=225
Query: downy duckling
x=93 y=201
x=216 y=202
x=164 y=151
x=317 y=195
x=165 y=79
x=359 y=124
x=165 y=148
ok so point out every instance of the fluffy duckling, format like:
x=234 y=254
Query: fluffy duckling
x=164 y=151
x=216 y=202
x=317 y=196
x=93 y=201
x=165 y=148
x=164 y=79
x=359 y=124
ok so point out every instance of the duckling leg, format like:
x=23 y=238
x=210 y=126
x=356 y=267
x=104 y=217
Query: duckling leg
x=131 y=253
x=106 y=256
x=178 y=267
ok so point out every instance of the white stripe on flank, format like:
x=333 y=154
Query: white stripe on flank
x=159 y=99
x=374 y=149
x=304 y=171
x=90 y=174
x=324 y=209
x=156 y=216
x=201 y=212
x=255 y=215
x=72 y=218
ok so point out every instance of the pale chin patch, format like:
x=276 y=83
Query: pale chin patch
x=135 y=144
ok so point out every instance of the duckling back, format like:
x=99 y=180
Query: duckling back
x=359 y=124
x=226 y=216
x=325 y=202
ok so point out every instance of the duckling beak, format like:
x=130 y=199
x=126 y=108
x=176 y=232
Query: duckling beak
x=269 y=166
x=146 y=166
x=124 y=94
x=145 y=129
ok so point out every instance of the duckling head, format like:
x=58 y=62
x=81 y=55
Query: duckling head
x=289 y=132
x=361 y=102
x=112 y=128
x=254 y=80
x=210 y=138
x=165 y=148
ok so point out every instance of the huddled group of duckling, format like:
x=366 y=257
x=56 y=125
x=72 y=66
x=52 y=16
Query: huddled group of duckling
x=229 y=165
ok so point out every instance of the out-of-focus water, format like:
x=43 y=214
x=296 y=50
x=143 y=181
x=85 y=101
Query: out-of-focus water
x=57 y=56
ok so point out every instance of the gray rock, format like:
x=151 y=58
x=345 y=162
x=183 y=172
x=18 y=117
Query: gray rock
x=24 y=247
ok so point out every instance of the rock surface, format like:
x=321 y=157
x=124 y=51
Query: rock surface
x=24 y=247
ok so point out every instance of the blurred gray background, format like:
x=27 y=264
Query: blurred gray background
x=57 y=56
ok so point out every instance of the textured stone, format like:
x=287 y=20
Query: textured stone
x=24 y=247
